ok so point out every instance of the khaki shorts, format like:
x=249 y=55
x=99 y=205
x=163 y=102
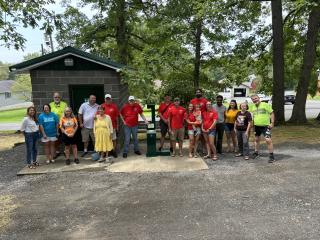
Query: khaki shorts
x=114 y=136
x=177 y=133
x=85 y=133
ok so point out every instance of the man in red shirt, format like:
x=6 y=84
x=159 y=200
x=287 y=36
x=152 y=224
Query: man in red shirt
x=176 y=117
x=111 y=109
x=163 y=114
x=199 y=100
x=129 y=115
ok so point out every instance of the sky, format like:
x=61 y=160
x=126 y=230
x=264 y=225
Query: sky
x=34 y=37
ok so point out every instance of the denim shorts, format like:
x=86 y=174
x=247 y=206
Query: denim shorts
x=195 y=132
x=229 y=127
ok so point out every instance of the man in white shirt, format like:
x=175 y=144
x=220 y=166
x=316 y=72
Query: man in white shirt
x=87 y=113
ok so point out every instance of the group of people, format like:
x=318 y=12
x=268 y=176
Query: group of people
x=205 y=124
x=57 y=123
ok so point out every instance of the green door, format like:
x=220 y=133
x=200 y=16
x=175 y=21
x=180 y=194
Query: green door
x=80 y=94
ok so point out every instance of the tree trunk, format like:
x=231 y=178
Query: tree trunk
x=309 y=57
x=278 y=62
x=121 y=36
x=196 y=74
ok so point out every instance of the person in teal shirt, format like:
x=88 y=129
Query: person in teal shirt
x=49 y=125
x=263 y=121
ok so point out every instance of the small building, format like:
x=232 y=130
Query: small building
x=9 y=97
x=75 y=74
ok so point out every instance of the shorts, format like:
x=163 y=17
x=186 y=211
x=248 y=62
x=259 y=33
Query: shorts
x=86 y=133
x=49 y=139
x=177 y=133
x=195 y=132
x=229 y=127
x=68 y=140
x=164 y=129
x=212 y=132
x=258 y=130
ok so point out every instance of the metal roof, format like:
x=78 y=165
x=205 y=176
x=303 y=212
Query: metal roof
x=67 y=51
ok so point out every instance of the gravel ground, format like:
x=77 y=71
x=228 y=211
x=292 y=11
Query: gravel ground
x=234 y=199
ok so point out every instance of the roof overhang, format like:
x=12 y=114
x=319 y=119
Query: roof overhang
x=32 y=66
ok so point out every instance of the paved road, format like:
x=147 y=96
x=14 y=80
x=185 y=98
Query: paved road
x=312 y=109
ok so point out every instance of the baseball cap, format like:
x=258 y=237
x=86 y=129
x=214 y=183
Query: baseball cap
x=131 y=98
x=107 y=96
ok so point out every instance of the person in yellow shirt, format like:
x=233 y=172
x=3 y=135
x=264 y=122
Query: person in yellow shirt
x=230 y=118
x=58 y=107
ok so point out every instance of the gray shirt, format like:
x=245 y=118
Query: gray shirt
x=88 y=113
x=220 y=110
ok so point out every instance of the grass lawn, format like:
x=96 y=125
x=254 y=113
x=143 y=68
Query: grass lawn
x=11 y=116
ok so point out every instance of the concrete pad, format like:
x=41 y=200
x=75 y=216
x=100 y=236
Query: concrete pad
x=157 y=164
x=60 y=166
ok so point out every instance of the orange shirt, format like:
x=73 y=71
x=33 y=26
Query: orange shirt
x=68 y=124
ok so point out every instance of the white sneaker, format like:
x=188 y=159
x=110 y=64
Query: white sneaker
x=52 y=161
x=48 y=161
x=101 y=159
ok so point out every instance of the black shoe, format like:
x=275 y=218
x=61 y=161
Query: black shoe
x=83 y=154
x=137 y=152
x=125 y=155
x=171 y=149
x=115 y=154
x=271 y=159
x=68 y=162
x=255 y=155
x=160 y=149
x=77 y=161
x=57 y=155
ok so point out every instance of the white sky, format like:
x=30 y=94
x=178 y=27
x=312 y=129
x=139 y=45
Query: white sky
x=34 y=37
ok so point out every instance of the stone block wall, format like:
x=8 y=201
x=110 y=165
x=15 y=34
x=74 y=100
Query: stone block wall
x=46 y=82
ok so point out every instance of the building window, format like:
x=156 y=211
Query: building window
x=7 y=95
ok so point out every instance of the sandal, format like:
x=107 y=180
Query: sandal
x=190 y=155
x=36 y=164
x=206 y=157
x=214 y=158
x=239 y=155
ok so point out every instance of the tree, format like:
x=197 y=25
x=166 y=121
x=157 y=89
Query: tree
x=4 y=71
x=278 y=62
x=309 y=57
x=23 y=13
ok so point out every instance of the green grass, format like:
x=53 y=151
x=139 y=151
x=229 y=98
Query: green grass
x=12 y=116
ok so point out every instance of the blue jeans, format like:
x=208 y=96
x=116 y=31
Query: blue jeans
x=127 y=134
x=31 y=140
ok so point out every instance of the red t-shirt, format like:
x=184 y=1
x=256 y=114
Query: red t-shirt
x=164 y=107
x=208 y=118
x=177 y=115
x=201 y=101
x=191 y=118
x=130 y=114
x=113 y=112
